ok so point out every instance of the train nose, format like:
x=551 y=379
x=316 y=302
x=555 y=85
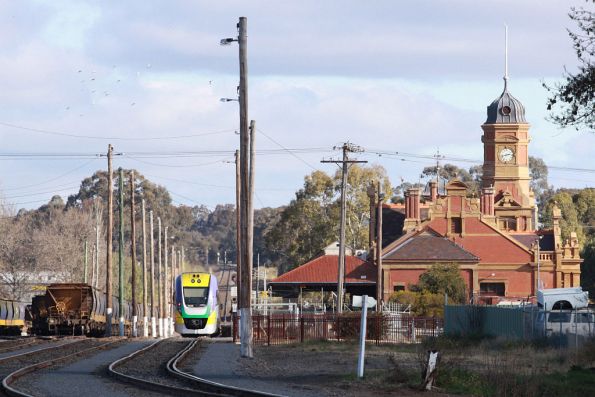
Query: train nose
x=195 y=323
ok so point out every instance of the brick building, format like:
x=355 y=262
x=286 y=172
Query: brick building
x=492 y=238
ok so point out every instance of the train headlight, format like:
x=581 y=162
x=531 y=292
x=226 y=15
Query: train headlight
x=179 y=307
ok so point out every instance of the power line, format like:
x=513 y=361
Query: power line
x=175 y=166
x=117 y=138
x=287 y=150
x=51 y=180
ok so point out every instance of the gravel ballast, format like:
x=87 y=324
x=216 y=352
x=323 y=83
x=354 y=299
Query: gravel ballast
x=87 y=376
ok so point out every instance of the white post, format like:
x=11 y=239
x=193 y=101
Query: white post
x=362 y=337
x=134 y=326
x=153 y=327
x=145 y=327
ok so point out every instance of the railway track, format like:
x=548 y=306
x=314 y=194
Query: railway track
x=18 y=365
x=17 y=344
x=180 y=382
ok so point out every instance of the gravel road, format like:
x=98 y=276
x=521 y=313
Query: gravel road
x=86 y=376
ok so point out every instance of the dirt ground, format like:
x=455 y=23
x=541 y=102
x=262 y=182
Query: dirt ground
x=330 y=369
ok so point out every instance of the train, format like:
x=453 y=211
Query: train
x=15 y=318
x=197 y=308
x=77 y=309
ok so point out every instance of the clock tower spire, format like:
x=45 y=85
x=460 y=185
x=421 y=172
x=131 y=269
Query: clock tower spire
x=506 y=159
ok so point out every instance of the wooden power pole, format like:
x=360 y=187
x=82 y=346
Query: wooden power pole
x=133 y=255
x=121 y=252
x=166 y=289
x=238 y=226
x=159 y=277
x=152 y=288
x=379 y=278
x=346 y=148
x=145 y=319
x=109 y=305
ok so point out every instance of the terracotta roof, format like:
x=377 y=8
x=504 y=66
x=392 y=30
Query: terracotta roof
x=430 y=247
x=324 y=270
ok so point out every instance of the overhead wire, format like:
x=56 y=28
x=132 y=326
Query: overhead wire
x=111 y=138
x=52 y=179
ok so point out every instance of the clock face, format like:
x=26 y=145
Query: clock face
x=506 y=155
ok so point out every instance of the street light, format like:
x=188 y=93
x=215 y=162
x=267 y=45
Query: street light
x=228 y=99
x=227 y=41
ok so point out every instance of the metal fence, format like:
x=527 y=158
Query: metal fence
x=275 y=329
x=560 y=327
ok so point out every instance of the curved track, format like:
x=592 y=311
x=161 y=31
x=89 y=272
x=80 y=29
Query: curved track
x=196 y=386
x=13 y=376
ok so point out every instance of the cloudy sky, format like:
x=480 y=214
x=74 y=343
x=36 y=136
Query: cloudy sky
x=147 y=77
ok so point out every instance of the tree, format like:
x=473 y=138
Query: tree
x=471 y=178
x=538 y=172
x=444 y=278
x=570 y=218
x=311 y=221
x=573 y=101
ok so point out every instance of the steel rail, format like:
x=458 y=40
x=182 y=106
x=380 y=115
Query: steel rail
x=39 y=350
x=205 y=384
x=13 y=376
x=19 y=345
x=148 y=384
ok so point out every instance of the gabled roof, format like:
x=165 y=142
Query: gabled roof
x=324 y=270
x=428 y=246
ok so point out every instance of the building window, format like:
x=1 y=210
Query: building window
x=508 y=223
x=497 y=289
x=398 y=288
x=456 y=225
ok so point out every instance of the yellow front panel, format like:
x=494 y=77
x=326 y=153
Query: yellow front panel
x=195 y=279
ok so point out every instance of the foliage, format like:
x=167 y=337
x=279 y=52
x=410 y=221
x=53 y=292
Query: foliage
x=538 y=172
x=573 y=101
x=471 y=177
x=422 y=303
x=311 y=221
x=444 y=278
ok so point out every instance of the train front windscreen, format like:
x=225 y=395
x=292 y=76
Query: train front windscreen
x=196 y=296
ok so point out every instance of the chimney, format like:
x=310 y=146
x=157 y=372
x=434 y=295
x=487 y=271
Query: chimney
x=433 y=191
x=556 y=216
x=487 y=201
x=412 y=209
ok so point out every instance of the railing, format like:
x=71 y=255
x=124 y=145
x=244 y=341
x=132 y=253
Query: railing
x=381 y=329
x=546 y=256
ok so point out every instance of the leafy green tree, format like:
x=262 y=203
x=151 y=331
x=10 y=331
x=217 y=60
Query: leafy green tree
x=573 y=101
x=444 y=278
x=570 y=218
x=311 y=221
x=471 y=178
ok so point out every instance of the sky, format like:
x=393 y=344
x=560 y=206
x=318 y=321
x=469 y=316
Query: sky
x=401 y=77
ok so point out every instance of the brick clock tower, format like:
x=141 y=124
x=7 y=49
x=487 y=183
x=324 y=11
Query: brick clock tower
x=506 y=163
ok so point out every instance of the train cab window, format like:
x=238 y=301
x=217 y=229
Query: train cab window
x=196 y=296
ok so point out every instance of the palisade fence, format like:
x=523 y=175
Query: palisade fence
x=559 y=327
x=275 y=329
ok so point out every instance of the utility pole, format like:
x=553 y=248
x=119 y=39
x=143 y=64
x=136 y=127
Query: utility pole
x=97 y=234
x=133 y=255
x=145 y=320
x=379 y=277
x=159 y=277
x=183 y=258
x=121 y=251
x=152 y=294
x=108 y=261
x=346 y=148
x=86 y=261
x=166 y=289
x=238 y=225
x=174 y=274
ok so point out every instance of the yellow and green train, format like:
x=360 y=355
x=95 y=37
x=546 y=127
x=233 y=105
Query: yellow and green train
x=197 y=309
